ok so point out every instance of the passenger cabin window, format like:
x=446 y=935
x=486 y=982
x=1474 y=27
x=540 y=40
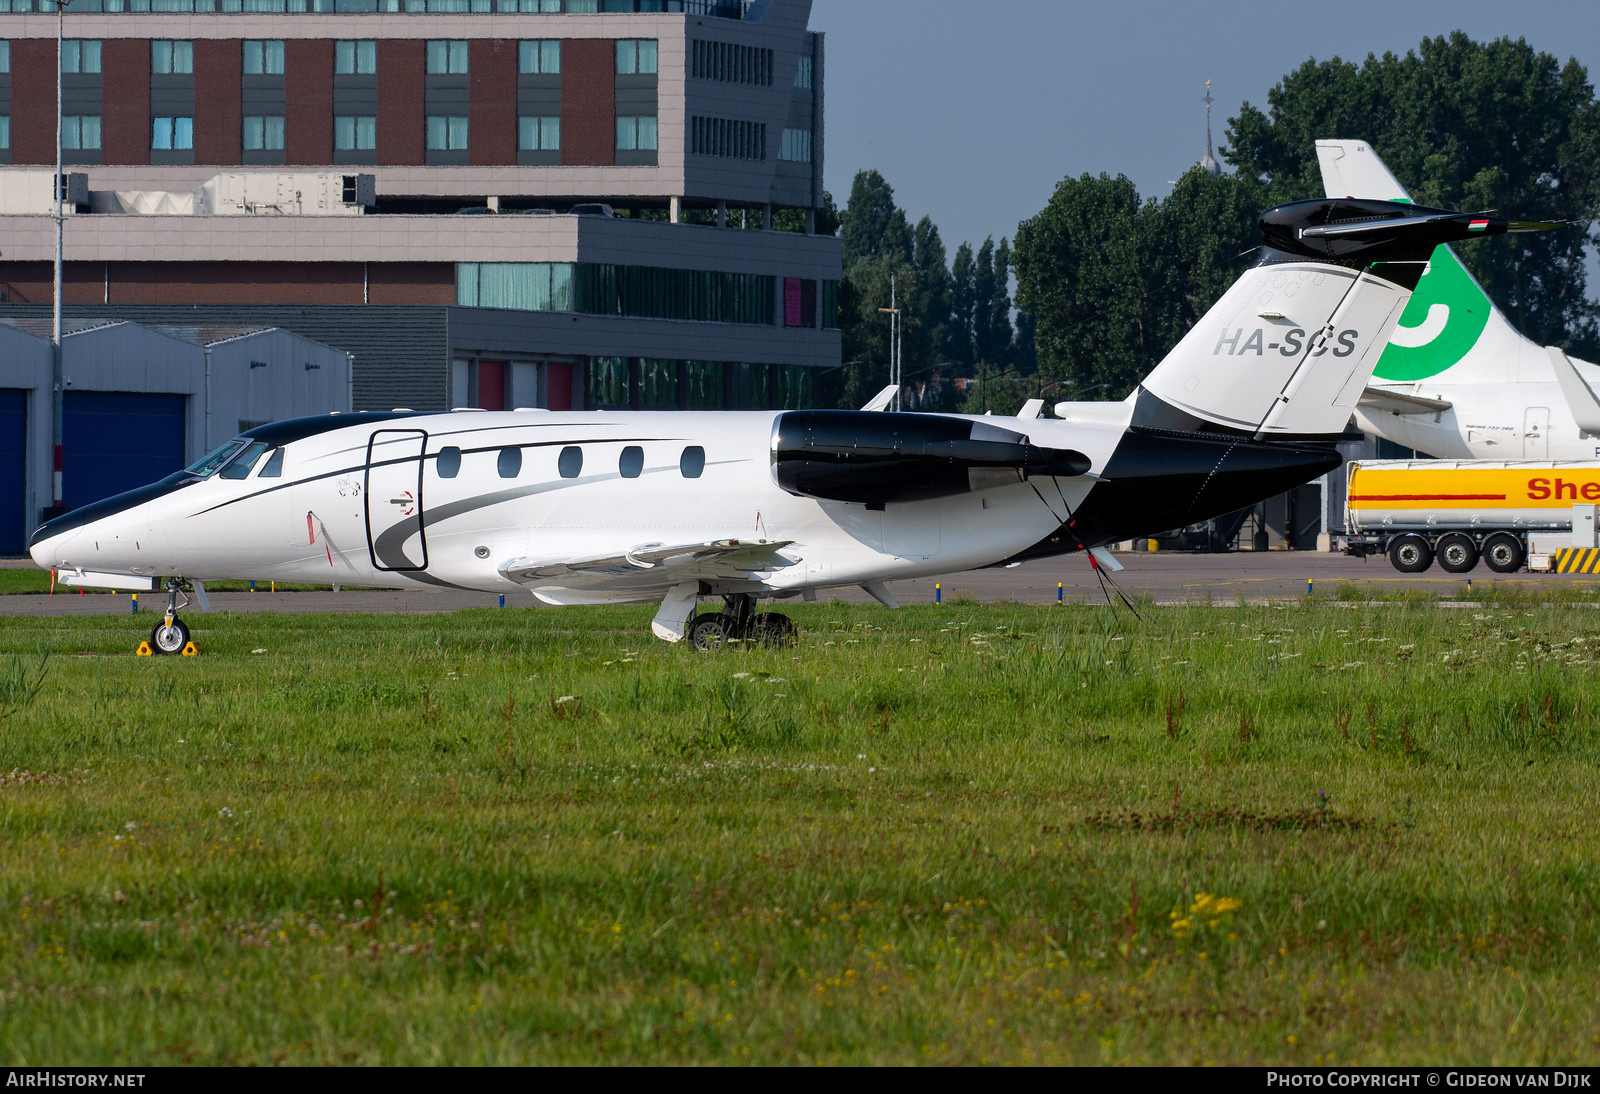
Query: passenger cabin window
x=241 y=466
x=692 y=462
x=273 y=468
x=449 y=463
x=632 y=462
x=510 y=463
x=570 y=463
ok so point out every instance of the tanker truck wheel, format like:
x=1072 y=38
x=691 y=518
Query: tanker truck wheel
x=1410 y=554
x=1503 y=552
x=1457 y=553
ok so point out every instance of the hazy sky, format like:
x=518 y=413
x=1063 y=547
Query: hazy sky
x=974 y=110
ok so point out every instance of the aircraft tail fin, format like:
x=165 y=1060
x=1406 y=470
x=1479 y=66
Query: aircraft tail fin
x=1291 y=345
x=1449 y=324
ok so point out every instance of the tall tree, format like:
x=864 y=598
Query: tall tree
x=872 y=225
x=1462 y=124
x=958 y=340
x=1086 y=267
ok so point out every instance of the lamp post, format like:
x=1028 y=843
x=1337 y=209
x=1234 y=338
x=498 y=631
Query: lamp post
x=57 y=379
x=894 y=342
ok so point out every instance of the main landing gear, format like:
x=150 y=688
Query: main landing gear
x=171 y=635
x=740 y=622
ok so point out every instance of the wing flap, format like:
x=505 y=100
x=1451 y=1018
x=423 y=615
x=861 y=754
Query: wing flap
x=685 y=561
x=1397 y=402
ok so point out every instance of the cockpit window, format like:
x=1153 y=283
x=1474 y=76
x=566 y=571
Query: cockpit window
x=208 y=466
x=241 y=465
x=273 y=468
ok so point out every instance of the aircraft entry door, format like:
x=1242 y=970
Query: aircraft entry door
x=394 y=500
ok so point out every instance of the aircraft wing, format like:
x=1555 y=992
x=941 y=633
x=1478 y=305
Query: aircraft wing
x=680 y=562
x=1378 y=399
x=1580 y=396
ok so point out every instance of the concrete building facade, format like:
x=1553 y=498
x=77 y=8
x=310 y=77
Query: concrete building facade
x=561 y=203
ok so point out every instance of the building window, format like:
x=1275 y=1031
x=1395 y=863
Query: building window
x=803 y=74
x=728 y=138
x=609 y=386
x=358 y=58
x=796 y=146
x=5 y=131
x=5 y=55
x=799 y=302
x=541 y=58
x=263 y=133
x=635 y=133
x=264 y=58
x=539 y=134
x=643 y=292
x=171 y=134
x=447 y=57
x=524 y=286
x=167 y=58
x=636 y=56
x=80 y=132
x=727 y=63
x=447 y=134
x=78 y=55
x=830 y=305
x=355 y=133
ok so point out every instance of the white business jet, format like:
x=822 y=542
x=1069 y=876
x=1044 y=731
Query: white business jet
x=590 y=508
x=1457 y=380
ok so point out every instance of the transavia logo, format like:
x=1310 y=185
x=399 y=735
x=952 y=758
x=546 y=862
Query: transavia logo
x=1233 y=341
x=1440 y=325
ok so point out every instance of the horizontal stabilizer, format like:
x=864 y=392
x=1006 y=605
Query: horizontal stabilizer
x=1382 y=400
x=1580 y=396
x=1350 y=169
x=721 y=556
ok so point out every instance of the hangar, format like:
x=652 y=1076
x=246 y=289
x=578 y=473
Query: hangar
x=141 y=402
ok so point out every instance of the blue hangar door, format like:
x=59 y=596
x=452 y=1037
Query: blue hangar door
x=117 y=440
x=13 y=469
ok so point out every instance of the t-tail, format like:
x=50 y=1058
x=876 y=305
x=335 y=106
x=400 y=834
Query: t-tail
x=1450 y=332
x=1287 y=351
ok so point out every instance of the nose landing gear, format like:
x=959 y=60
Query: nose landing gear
x=171 y=635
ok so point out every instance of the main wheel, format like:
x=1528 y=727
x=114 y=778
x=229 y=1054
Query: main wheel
x=169 y=638
x=710 y=633
x=775 y=629
x=1410 y=554
x=1457 y=553
x=1504 y=553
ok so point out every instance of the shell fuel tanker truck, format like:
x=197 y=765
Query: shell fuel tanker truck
x=1505 y=512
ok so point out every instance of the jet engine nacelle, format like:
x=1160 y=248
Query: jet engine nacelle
x=874 y=458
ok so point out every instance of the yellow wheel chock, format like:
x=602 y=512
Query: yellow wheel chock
x=144 y=650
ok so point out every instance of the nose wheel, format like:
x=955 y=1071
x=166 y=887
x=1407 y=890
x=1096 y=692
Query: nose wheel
x=171 y=635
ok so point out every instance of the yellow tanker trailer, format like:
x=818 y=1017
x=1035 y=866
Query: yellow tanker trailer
x=1461 y=510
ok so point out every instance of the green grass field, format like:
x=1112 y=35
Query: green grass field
x=1307 y=834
